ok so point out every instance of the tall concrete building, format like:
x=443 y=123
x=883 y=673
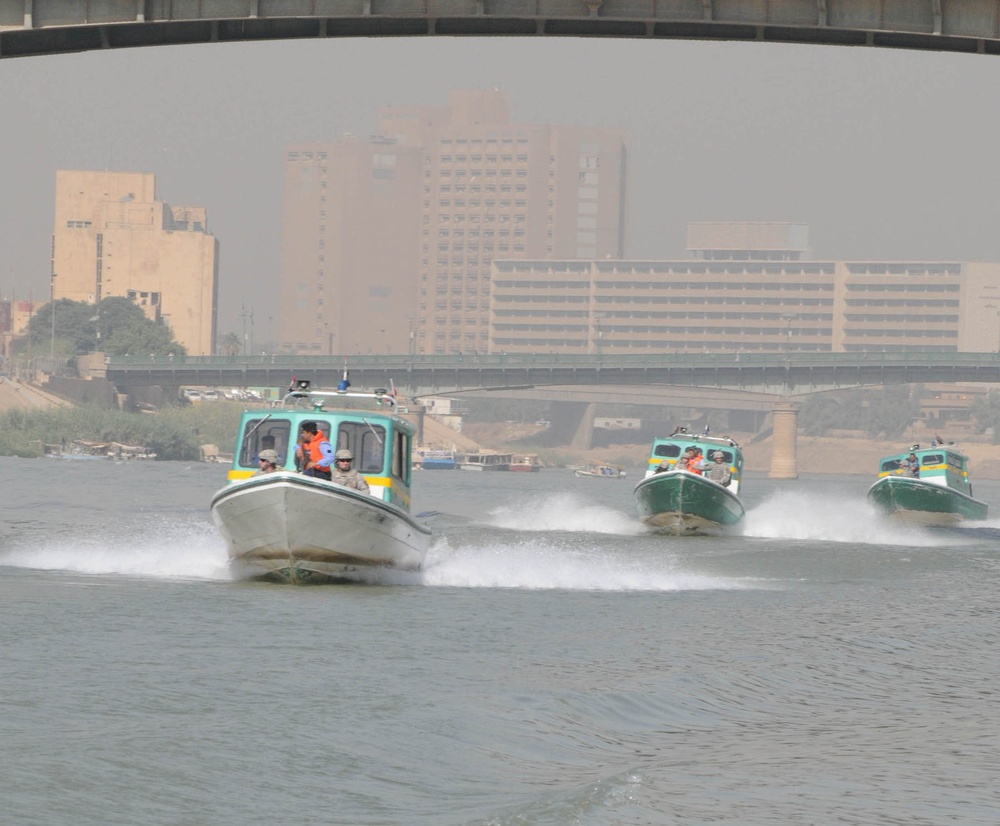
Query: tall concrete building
x=745 y=287
x=112 y=237
x=388 y=242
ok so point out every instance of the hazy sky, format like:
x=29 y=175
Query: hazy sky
x=885 y=154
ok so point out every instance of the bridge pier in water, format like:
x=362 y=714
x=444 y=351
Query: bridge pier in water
x=784 y=461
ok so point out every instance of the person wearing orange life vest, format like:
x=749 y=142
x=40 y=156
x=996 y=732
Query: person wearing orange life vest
x=318 y=453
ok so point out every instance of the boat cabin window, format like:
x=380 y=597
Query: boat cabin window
x=263 y=434
x=891 y=464
x=670 y=451
x=929 y=459
x=400 y=450
x=726 y=455
x=366 y=442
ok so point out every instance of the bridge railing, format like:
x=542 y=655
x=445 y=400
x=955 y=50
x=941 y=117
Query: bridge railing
x=553 y=360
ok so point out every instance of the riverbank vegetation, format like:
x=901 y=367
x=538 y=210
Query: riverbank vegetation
x=175 y=433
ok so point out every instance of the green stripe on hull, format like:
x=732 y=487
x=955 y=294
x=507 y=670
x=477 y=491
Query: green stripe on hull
x=924 y=501
x=686 y=502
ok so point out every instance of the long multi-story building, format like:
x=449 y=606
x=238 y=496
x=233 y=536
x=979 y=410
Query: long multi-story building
x=112 y=237
x=745 y=287
x=388 y=242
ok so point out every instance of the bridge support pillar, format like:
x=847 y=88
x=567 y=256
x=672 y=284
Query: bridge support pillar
x=784 y=462
x=583 y=436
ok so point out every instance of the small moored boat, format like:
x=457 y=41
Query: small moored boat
x=928 y=486
x=600 y=472
x=288 y=527
x=433 y=459
x=529 y=463
x=486 y=460
x=680 y=497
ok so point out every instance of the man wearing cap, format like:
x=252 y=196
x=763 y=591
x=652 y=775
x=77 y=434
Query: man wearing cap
x=268 y=460
x=344 y=474
x=718 y=471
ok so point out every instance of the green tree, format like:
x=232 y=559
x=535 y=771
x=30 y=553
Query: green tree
x=986 y=413
x=232 y=344
x=115 y=325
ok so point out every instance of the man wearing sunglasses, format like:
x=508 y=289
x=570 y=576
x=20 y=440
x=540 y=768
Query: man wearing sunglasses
x=345 y=474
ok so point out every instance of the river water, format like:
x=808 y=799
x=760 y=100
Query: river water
x=552 y=665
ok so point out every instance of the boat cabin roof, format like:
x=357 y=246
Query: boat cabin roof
x=928 y=457
x=670 y=447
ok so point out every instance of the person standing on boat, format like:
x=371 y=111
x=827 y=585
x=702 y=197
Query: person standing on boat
x=911 y=467
x=718 y=471
x=268 y=462
x=318 y=453
x=346 y=475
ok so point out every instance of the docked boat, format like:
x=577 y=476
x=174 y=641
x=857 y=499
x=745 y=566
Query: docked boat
x=927 y=486
x=431 y=459
x=691 y=485
x=600 y=472
x=285 y=526
x=486 y=460
x=529 y=463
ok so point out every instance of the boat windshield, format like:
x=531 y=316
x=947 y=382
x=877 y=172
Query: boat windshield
x=266 y=433
x=670 y=451
x=366 y=440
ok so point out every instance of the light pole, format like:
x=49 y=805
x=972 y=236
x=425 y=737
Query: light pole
x=599 y=345
x=788 y=319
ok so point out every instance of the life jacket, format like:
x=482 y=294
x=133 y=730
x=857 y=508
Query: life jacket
x=315 y=454
x=692 y=465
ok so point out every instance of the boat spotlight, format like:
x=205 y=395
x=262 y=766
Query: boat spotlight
x=302 y=385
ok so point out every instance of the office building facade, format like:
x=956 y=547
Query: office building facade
x=112 y=237
x=745 y=287
x=388 y=242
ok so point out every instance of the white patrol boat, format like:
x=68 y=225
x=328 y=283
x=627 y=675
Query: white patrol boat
x=287 y=527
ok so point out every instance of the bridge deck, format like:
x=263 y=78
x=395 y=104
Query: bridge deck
x=55 y=26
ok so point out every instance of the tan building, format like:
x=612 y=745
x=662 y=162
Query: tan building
x=746 y=287
x=113 y=238
x=388 y=242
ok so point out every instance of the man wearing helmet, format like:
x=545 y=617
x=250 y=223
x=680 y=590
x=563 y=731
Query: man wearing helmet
x=345 y=474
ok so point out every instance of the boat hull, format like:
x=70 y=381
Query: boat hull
x=923 y=502
x=679 y=502
x=286 y=527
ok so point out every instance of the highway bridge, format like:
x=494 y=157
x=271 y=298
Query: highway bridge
x=775 y=382
x=781 y=375
x=40 y=27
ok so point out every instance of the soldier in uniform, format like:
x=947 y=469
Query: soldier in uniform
x=344 y=474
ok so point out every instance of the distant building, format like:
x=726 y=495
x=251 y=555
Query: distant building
x=387 y=242
x=746 y=287
x=112 y=237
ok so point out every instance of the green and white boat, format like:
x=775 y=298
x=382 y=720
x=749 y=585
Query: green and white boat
x=927 y=486
x=679 y=501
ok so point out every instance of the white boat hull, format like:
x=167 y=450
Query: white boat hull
x=292 y=528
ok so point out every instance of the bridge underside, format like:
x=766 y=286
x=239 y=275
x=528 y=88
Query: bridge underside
x=38 y=27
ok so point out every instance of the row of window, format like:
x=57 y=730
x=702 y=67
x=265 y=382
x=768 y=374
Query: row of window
x=918 y=332
x=908 y=319
x=882 y=287
x=622 y=330
x=520 y=158
x=543 y=344
x=668 y=268
x=951 y=270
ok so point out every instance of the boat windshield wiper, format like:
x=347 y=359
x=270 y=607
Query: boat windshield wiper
x=254 y=428
x=372 y=429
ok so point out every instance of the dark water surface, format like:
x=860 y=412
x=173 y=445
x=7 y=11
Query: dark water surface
x=552 y=665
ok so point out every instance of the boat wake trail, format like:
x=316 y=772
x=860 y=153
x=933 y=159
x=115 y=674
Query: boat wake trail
x=170 y=551
x=569 y=562
x=832 y=518
x=565 y=512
